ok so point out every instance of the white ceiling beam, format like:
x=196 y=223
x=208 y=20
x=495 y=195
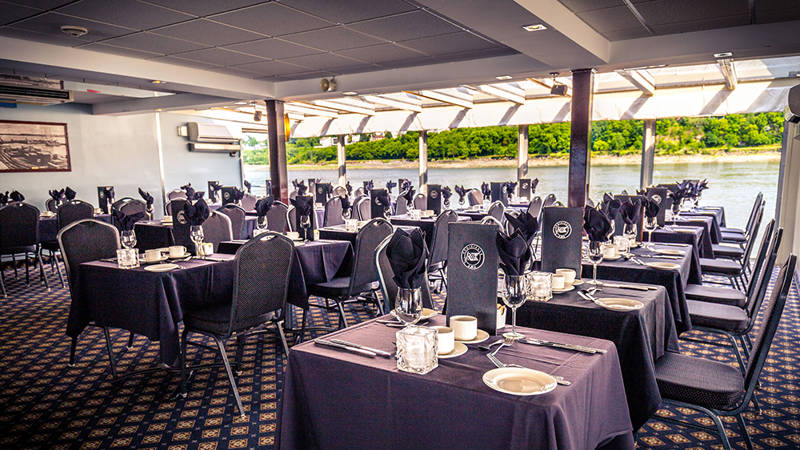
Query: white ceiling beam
x=453 y=96
x=306 y=109
x=548 y=83
x=350 y=108
x=729 y=72
x=394 y=103
x=640 y=79
x=165 y=103
x=513 y=95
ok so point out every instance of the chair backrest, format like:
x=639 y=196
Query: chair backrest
x=440 y=234
x=362 y=208
x=278 y=217
x=217 y=228
x=51 y=205
x=73 y=211
x=249 y=202
x=86 y=240
x=489 y=220
x=386 y=279
x=132 y=206
x=756 y=204
x=752 y=307
x=291 y=216
x=333 y=212
x=748 y=246
x=19 y=225
x=496 y=210
x=359 y=192
x=260 y=279
x=420 y=201
x=589 y=202
x=401 y=206
x=237 y=215
x=175 y=205
x=177 y=194
x=367 y=240
x=535 y=206
x=549 y=200
x=475 y=197
x=761 y=259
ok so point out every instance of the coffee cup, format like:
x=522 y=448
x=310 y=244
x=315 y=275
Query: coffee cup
x=568 y=274
x=151 y=256
x=177 y=251
x=557 y=282
x=293 y=235
x=445 y=340
x=464 y=327
x=609 y=251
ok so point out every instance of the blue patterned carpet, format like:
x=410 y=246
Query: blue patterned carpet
x=46 y=403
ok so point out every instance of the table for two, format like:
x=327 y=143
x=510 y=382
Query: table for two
x=157 y=234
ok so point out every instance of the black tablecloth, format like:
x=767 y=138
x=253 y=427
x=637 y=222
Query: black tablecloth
x=334 y=399
x=641 y=336
x=426 y=224
x=693 y=236
x=674 y=281
x=340 y=233
x=156 y=234
x=48 y=227
x=718 y=212
x=707 y=223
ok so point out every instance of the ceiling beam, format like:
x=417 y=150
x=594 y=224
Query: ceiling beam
x=163 y=103
x=729 y=72
x=548 y=83
x=453 y=96
x=504 y=92
x=640 y=79
x=408 y=102
x=339 y=105
x=311 y=110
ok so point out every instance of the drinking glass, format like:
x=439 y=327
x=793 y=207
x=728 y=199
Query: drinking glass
x=514 y=295
x=417 y=349
x=540 y=286
x=595 y=254
x=650 y=224
x=305 y=223
x=196 y=234
x=128 y=239
x=630 y=231
x=261 y=224
x=408 y=305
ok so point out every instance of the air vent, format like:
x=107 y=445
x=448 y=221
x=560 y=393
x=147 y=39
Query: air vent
x=32 y=95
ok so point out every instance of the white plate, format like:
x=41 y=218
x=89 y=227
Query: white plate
x=482 y=336
x=162 y=267
x=427 y=313
x=458 y=350
x=663 y=265
x=185 y=254
x=565 y=289
x=519 y=381
x=619 y=303
x=577 y=282
x=669 y=251
x=160 y=258
x=612 y=259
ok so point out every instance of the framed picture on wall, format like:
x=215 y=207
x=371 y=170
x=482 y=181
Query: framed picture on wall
x=34 y=147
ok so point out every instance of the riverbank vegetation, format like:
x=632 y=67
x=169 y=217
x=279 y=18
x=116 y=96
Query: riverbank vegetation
x=674 y=136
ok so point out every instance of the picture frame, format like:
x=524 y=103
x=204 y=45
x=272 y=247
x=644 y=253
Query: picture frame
x=34 y=147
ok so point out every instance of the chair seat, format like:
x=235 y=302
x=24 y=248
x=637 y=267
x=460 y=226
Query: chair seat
x=731 y=230
x=699 y=381
x=714 y=315
x=727 y=251
x=715 y=294
x=214 y=319
x=337 y=287
x=720 y=266
x=733 y=237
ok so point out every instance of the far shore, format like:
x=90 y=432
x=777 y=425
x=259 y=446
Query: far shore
x=596 y=160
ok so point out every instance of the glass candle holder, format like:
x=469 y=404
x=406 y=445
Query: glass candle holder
x=351 y=225
x=540 y=286
x=127 y=258
x=417 y=349
x=622 y=243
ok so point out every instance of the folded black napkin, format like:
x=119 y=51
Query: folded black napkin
x=651 y=207
x=349 y=188
x=408 y=194
x=263 y=206
x=390 y=185
x=509 y=186
x=406 y=253
x=69 y=194
x=526 y=224
x=126 y=222
x=610 y=206
x=3 y=198
x=345 y=204
x=16 y=196
x=196 y=213
x=534 y=183
x=461 y=193
x=303 y=205
x=247 y=186
x=631 y=211
x=446 y=194
x=300 y=187
x=682 y=190
x=486 y=190
x=189 y=190
x=596 y=224
x=57 y=195
x=213 y=188
x=514 y=253
x=382 y=199
x=368 y=186
x=696 y=189
x=148 y=199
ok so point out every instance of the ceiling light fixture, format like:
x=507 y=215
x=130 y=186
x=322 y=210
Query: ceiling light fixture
x=503 y=77
x=74 y=30
x=534 y=27
x=723 y=55
x=350 y=93
x=157 y=82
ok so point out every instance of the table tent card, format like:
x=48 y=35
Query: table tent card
x=435 y=198
x=228 y=195
x=321 y=191
x=659 y=194
x=180 y=226
x=562 y=233
x=377 y=209
x=472 y=273
x=498 y=193
x=524 y=188
x=307 y=202
x=103 y=200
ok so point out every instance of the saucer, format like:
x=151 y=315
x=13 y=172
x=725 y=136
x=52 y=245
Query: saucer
x=458 y=350
x=160 y=259
x=669 y=251
x=615 y=258
x=185 y=254
x=482 y=336
x=564 y=289
x=577 y=282
x=162 y=267
x=427 y=313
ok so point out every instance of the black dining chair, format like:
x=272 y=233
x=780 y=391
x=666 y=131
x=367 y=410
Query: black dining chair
x=176 y=194
x=174 y=205
x=237 y=216
x=739 y=235
x=421 y=201
x=401 y=206
x=217 y=228
x=736 y=250
x=437 y=261
x=734 y=271
x=475 y=197
x=717 y=389
x=260 y=287
x=535 y=207
x=362 y=283
x=19 y=234
x=362 y=208
x=549 y=200
x=278 y=217
x=291 y=216
x=69 y=212
x=51 y=205
x=333 y=212
x=386 y=280
x=496 y=210
x=249 y=202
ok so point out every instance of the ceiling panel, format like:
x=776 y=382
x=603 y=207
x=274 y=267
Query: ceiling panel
x=413 y=25
x=588 y=5
x=272 y=19
x=218 y=56
x=273 y=48
x=324 y=61
x=686 y=27
x=50 y=23
x=296 y=76
x=350 y=10
x=449 y=43
x=183 y=62
x=768 y=11
x=10 y=12
x=154 y=43
x=381 y=53
x=658 y=12
x=204 y=7
x=101 y=47
x=336 y=38
x=608 y=19
x=267 y=68
x=41 y=4
x=208 y=32
x=47 y=38
x=627 y=33
x=127 y=13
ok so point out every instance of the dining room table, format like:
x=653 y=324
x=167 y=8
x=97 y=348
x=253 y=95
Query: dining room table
x=341 y=233
x=338 y=399
x=426 y=224
x=717 y=212
x=151 y=234
x=689 y=235
x=48 y=226
x=708 y=224
x=641 y=334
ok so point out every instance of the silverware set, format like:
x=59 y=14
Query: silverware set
x=499 y=364
x=352 y=347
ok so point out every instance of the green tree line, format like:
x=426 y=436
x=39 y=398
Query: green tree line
x=689 y=135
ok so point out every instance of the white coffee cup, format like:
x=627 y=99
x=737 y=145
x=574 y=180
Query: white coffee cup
x=177 y=251
x=609 y=251
x=464 y=327
x=557 y=281
x=152 y=255
x=445 y=340
x=568 y=274
x=293 y=235
x=207 y=248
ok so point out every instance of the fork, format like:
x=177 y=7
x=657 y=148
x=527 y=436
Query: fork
x=499 y=364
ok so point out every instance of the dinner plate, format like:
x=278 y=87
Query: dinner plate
x=663 y=265
x=458 y=350
x=162 y=267
x=669 y=251
x=564 y=289
x=619 y=303
x=519 y=381
x=481 y=336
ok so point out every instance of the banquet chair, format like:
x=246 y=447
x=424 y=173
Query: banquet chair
x=176 y=194
x=386 y=280
x=437 y=260
x=333 y=212
x=733 y=270
x=237 y=216
x=736 y=235
x=401 y=206
x=420 y=201
x=359 y=192
x=217 y=228
x=717 y=389
x=535 y=207
x=19 y=234
x=736 y=250
x=278 y=217
x=490 y=220
x=260 y=287
x=549 y=200
x=51 y=205
x=362 y=283
x=475 y=197
x=69 y=212
x=291 y=217
x=174 y=205
x=249 y=202
x=496 y=210
x=363 y=209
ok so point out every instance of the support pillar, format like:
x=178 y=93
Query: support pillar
x=341 y=158
x=580 y=136
x=522 y=152
x=423 y=162
x=277 y=151
x=648 y=153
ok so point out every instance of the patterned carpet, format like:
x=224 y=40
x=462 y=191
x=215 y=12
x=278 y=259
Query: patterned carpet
x=46 y=403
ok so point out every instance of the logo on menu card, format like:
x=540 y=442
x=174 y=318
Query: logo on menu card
x=181 y=217
x=562 y=229
x=226 y=195
x=524 y=186
x=434 y=193
x=319 y=189
x=472 y=256
x=656 y=198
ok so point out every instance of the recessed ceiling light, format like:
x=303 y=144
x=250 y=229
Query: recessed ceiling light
x=534 y=27
x=157 y=82
x=503 y=77
x=723 y=55
x=350 y=93
x=74 y=30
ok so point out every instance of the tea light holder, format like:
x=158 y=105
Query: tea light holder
x=622 y=243
x=417 y=350
x=127 y=258
x=540 y=286
x=351 y=224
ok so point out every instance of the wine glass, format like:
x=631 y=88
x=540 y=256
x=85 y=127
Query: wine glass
x=408 y=305
x=305 y=223
x=514 y=293
x=261 y=224
x=650 y=224
x=595 y=254
x=128 y=239
x=196 y=234
x=630 y=231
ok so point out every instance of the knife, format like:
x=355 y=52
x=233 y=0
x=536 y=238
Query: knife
x=574 y=347
x=627 y=286
x=327 y=343
x=362 y=347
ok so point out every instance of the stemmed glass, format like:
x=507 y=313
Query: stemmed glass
x=305 y=223
x=650 y=224
x=408 y=305
x=595 y=254
x=630 y=232
x=261 y=224
x=128 y=239
x=514 y=293
x=196 y=234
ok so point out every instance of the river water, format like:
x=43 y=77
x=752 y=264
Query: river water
x=733 y=185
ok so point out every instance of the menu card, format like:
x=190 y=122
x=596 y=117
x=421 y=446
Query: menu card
x=102 y=200
x=659 y=194
x=227 y=195
x=499 y=193
x=562 y=233
x=376 y=208
x=524 y=188
x=321 y=192
x=435 y=198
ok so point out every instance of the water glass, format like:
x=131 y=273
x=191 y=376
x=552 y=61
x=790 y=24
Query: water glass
x=128 y=239
x=514 y=295
x=351 y=225
x=127 y=258
x=408 y=305
x=595 y=254
x=622 y=243
x=540 y=286
x=650 y=224
x=415 y=214
x=417 y=350
x=261 y=225
x=630 y=231
x=196 y=234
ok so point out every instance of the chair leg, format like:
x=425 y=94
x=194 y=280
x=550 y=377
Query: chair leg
x=41 y=269
x=130 y=341
x=14 y=264
x=3 y=284
x=282 y=334
x=53 y=257
x=736 y=351
x=342 y=319
x=745 y=349
x=221 y=347
x=73 y=345
x=302 y=334
x=110 y=351
x=745 y=433
x=726 y=445
x=182 y=391
x=237 y=361
x=27 y=270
